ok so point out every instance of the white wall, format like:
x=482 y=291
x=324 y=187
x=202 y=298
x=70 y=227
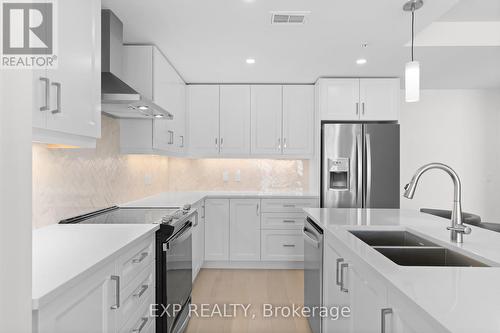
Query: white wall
x=460 y=128
x=15 y=200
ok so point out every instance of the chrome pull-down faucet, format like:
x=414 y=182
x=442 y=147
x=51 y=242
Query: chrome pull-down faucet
x=457 y=228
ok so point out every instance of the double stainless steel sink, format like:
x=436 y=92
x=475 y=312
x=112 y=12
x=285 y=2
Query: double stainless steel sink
x=407 y=249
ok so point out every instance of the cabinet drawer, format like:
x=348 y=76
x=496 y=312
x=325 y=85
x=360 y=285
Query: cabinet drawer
x=135 y=261
x=287 y=205
x=283 y=220
x=138 y=290
x=282 y=245
x=141 y=320
x=151 y=327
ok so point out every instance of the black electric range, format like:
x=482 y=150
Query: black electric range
x=173 y=256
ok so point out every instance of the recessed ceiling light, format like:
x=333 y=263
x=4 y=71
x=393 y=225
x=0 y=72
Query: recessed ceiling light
x=250 y=61
x=361 y=61
x=143 y=107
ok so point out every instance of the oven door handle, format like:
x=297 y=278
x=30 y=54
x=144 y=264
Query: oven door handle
x=196 y=217
x=180 y=236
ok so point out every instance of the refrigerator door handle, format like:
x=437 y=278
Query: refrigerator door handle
x=368 y=144
x=359 y=171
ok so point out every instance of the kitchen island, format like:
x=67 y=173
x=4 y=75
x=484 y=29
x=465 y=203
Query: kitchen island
x=396 y=298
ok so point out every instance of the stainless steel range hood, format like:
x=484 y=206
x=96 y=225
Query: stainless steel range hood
x=118 y=99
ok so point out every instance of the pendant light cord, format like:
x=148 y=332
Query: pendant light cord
x=412 y=32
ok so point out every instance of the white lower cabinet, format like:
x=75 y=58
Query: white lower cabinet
x=114 y=298
x=217 y=229
x=374 y=305
x=284 y=220
x=368 y=298
x=407 y=317
x=333 y=294
x=84 y=308
x=282 y=245
x=141 y=320
x=244 y=230
x=254 y=233
x=288 y=205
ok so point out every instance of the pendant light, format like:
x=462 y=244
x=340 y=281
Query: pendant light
x=412 y=69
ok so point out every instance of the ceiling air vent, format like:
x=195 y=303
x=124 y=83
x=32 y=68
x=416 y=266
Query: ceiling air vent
x=289 y=17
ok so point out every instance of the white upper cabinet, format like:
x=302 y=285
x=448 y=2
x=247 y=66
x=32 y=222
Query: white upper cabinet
x=298 y=118
x=219 y=120
x=379 y=99
x=169 y=93
x=68 y=98
x=147 y=70
x=251 y=121
x=234 y=120
x=282 y=120
x=359 y=99
x=339 y=99
x=266 y=111
x=203 y=118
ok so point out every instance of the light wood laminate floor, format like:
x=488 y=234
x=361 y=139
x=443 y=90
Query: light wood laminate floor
x=254 y=287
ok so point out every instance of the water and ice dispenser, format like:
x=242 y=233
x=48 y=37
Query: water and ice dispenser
x=338 y=174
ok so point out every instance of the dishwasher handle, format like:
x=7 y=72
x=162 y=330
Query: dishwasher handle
x=310 y=238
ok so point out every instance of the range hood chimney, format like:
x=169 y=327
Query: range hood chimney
x=118 y=99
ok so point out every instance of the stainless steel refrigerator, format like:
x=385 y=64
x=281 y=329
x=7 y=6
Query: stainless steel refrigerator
x=360 y=166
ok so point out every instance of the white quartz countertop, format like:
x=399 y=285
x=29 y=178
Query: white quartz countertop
x=63 y=253
x=461 y=299
x=178 y=199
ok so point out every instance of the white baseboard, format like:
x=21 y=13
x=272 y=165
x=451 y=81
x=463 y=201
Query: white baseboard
x=254 y=264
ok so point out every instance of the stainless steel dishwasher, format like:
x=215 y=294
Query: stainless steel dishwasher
x=313 y=271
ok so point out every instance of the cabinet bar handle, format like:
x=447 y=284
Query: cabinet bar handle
x=339 y=260
x=257 y=209
x=170 y=137
x=142 y=290
x=383 y=313
x=284 y=143
x=182 y=141
x=58 y=108
x=342 y=288
x=288 y=245
x=116 y=278
x=288 y=221
x=363 y=107
x=279 y=143
x=144 y=321
x=289 y=206
x=141 y=258
x=357 y=108
x=46 y=107
x=216 y=144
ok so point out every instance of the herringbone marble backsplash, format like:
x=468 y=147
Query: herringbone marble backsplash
x=70 y=182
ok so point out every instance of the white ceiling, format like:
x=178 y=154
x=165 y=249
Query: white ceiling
x=208 y=41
